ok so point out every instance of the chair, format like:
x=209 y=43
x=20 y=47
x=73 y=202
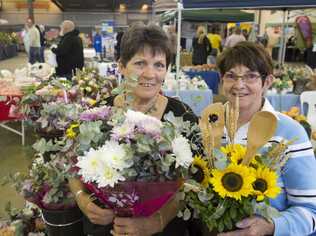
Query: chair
x=309 y=98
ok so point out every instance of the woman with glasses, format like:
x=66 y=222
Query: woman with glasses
x=246 y=71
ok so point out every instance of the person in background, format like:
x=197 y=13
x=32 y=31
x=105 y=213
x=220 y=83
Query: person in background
x=235 y=38
x=172 y=35
x=247 y=72
x=216 y=42
x=35 y=42
x=201 y=47
x=26 y=39
x=245 y=33
x=97 y=42
x=41 y=30
x=118 y=45
x=69 y=52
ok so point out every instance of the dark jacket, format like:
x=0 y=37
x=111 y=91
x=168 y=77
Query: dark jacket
x=69 y=54
x=200 y=51
x=42 y=35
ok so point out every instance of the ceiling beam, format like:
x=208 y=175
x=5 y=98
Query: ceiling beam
x=58 y=4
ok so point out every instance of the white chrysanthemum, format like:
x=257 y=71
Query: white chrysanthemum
x=115 y=155
x=90 y=164
x=134 y=117
x=123 y=131
x=182 y=150
x=109 y=177
x=38 y=161
x=148 y=123
x=152 y=126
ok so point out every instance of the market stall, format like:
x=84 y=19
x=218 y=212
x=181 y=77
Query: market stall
x=201 y=5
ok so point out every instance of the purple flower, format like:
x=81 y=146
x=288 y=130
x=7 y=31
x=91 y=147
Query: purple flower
x=27 y=186
x=97 y=113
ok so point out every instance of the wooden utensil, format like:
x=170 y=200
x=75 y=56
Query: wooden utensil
x=261 y=128
x=213 y=115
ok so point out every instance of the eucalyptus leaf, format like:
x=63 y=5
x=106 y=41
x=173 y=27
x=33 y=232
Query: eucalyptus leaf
x=220 y=210
x=186 y=214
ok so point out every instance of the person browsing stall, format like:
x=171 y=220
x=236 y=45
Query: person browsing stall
x=246 y=71
x=201 y=47
x=69 y=52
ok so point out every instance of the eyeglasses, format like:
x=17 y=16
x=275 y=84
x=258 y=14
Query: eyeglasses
x=250 y=77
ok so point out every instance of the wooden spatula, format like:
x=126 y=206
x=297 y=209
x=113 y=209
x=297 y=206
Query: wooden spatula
x=261 y=128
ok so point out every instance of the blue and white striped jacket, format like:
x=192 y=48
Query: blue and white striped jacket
x=297 y=201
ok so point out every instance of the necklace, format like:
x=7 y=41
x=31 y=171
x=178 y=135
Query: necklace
x=150 y=107
x=128 y=101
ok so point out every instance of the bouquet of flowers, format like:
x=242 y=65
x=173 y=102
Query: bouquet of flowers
x=227 y=193
x=223 y=190
x=51 y=101
x=132 y=162
x=22 y=222
x=90 y=85
x=46 y=184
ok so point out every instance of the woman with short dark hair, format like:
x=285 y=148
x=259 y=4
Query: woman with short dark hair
x=145 y=55
x=246 y=71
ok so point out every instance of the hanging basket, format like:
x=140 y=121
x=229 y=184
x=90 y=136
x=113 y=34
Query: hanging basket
x=66 y=222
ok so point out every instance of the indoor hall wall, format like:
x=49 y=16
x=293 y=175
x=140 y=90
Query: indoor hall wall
x=50 y=16
x=53 y=16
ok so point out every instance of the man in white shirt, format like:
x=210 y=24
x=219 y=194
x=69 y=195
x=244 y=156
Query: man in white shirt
x=34 y=41
x=235 y=38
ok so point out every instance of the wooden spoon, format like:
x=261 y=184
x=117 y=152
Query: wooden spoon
x=261 y=128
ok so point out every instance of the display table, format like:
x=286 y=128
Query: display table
x=283 y=102
x=211 y=78
x=7 y=111
x=196 y=99
x=8 y=51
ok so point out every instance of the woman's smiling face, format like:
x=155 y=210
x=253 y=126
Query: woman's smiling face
x=150 y=70
x=247 y=86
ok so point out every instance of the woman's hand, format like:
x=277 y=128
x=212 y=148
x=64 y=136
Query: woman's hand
x=95 y=214
x=136 y=226
x=253 y=226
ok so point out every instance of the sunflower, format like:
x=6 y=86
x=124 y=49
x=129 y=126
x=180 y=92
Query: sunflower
x=70 y=132
x=202 y=175
x=265 y=184
x=235 y=181
x=236 y=152
x=300 y=118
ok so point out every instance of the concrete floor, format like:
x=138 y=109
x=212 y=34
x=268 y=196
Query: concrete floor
x=13 y=156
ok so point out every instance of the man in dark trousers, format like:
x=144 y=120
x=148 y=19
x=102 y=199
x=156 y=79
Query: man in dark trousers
x=41 y=30
x=69 y=52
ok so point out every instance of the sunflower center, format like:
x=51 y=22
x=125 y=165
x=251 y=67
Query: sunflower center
x=232 y=182
x=260 y=185
x=198 y=176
